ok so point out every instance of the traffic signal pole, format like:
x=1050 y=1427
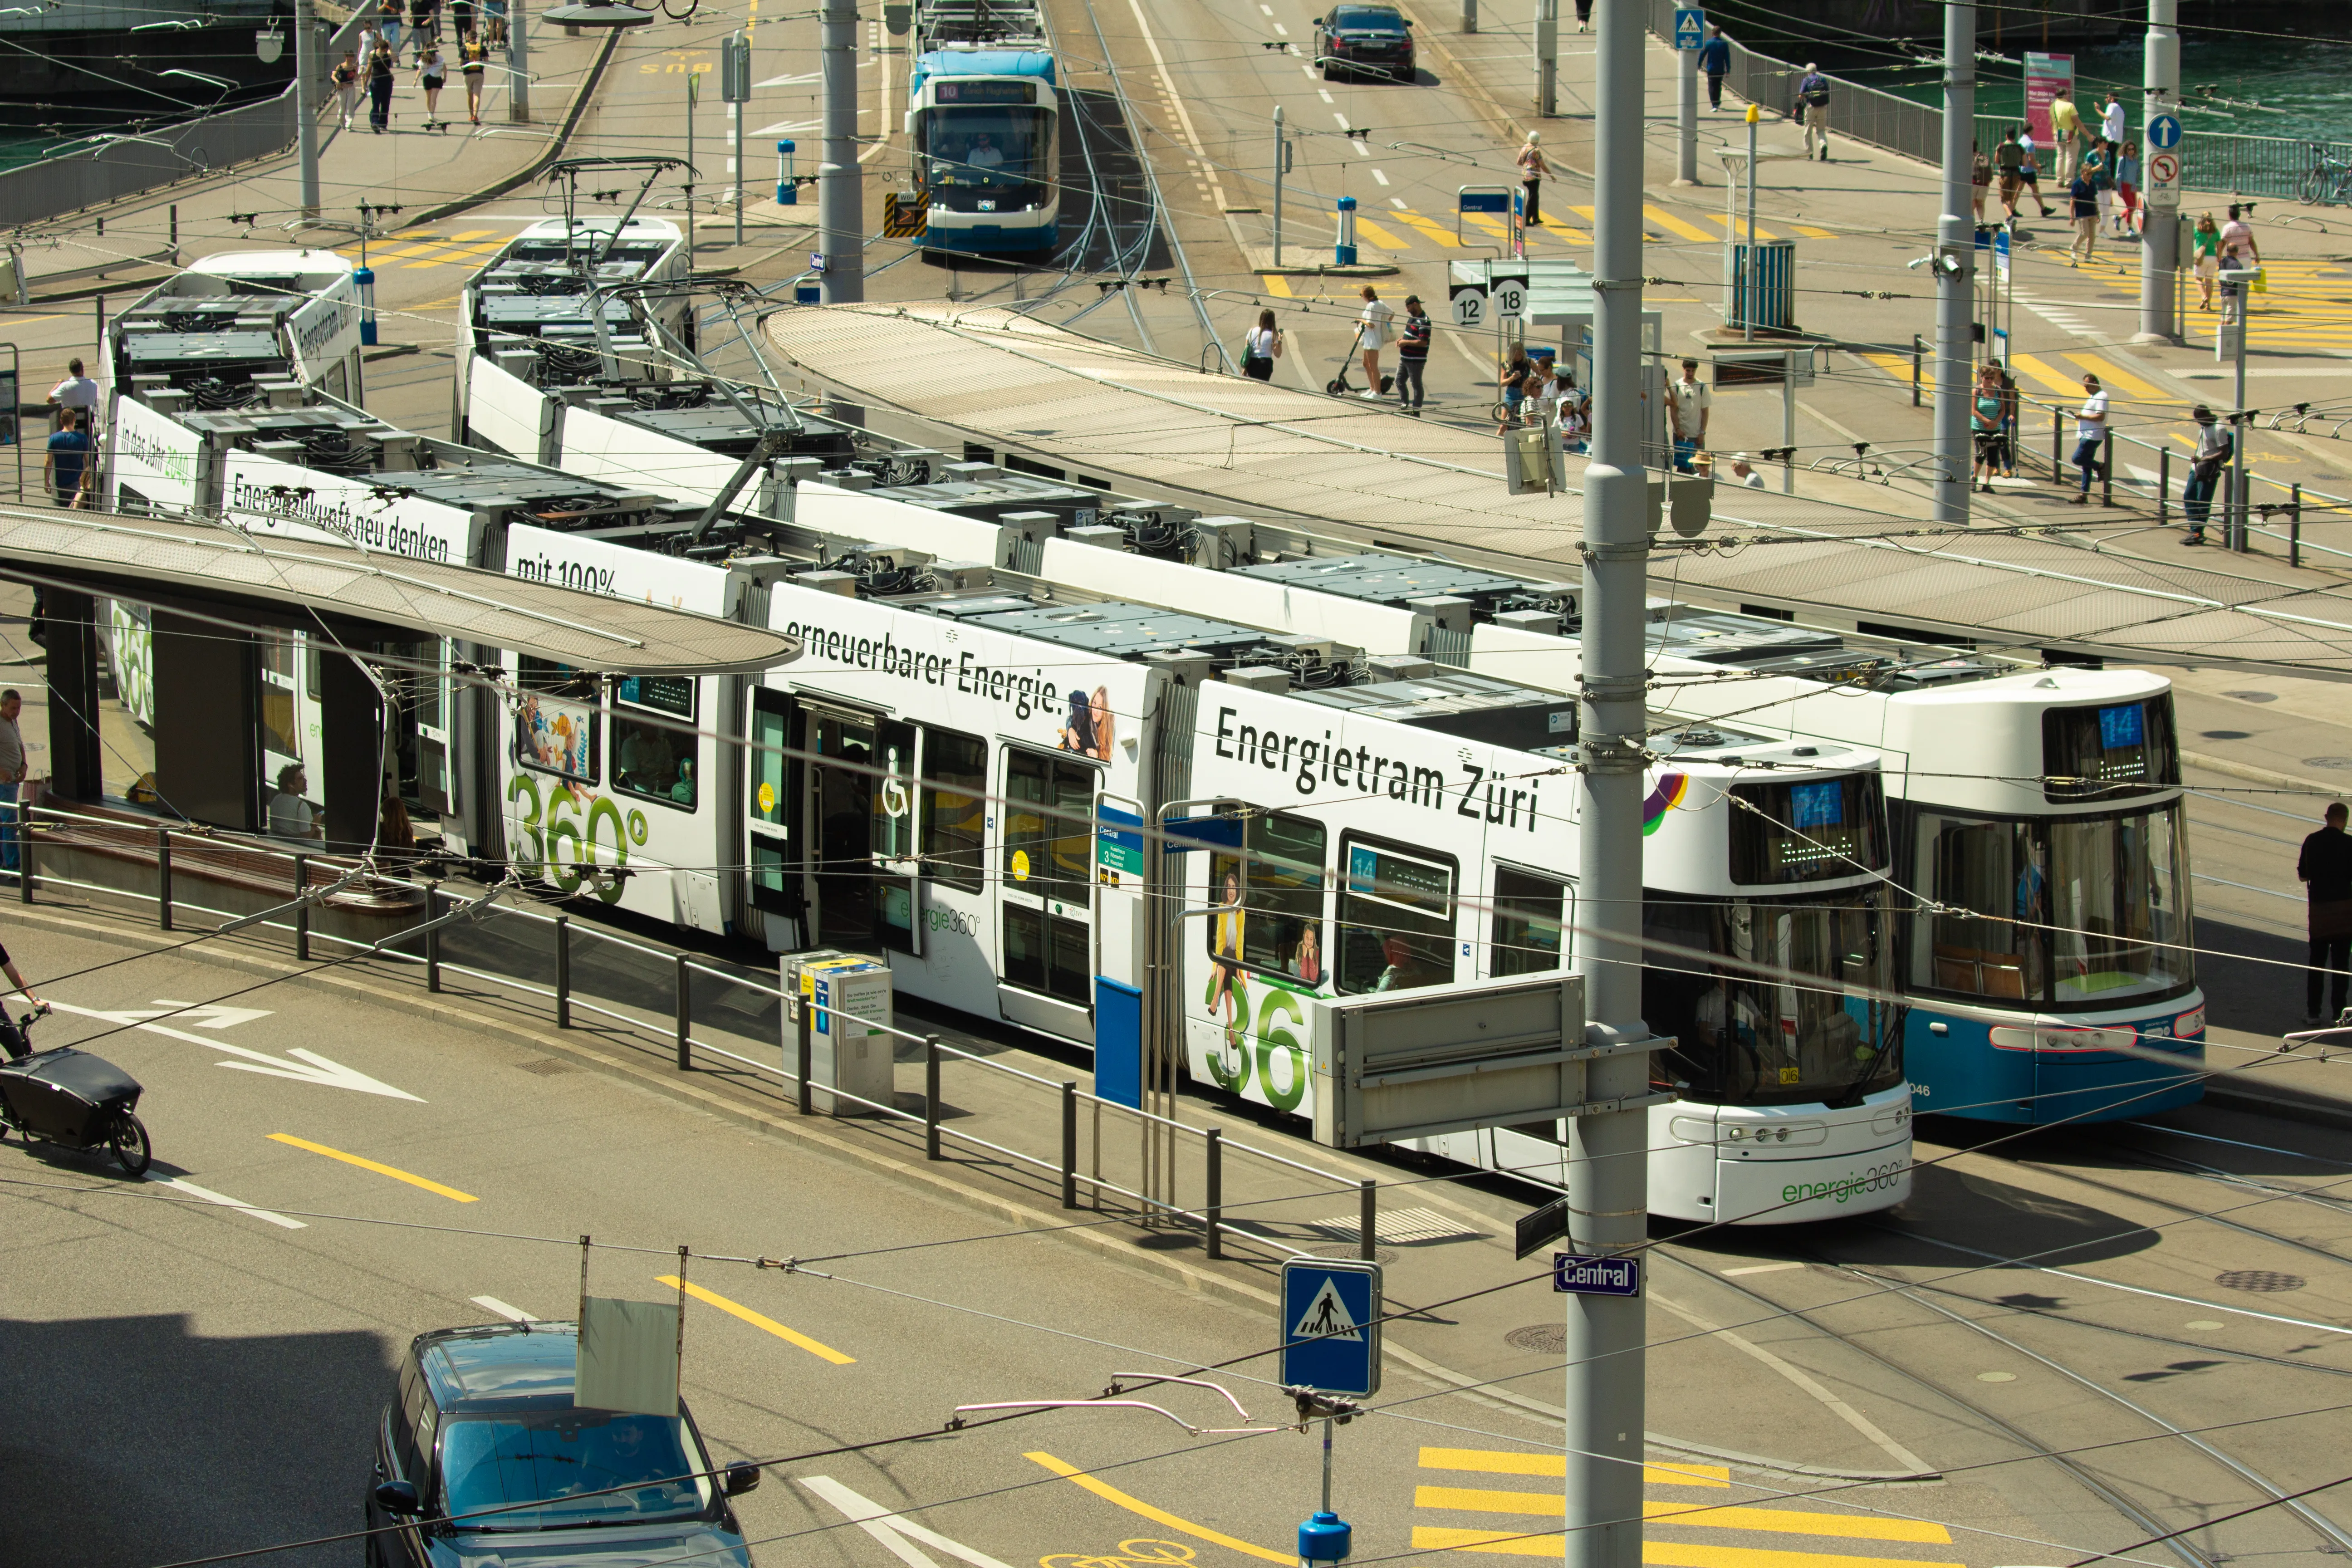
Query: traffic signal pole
x=1609 y=1168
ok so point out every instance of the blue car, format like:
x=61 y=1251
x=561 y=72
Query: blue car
x=483 y=1457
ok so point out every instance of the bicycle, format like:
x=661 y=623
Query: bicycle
x=2330 y=183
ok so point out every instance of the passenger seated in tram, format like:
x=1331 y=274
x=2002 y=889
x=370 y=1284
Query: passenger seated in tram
x=984 y=154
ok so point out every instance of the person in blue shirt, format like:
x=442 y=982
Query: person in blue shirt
x=69 y=458
x=1715 y=59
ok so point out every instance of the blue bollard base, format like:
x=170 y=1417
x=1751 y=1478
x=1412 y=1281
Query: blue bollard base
x=1325 y=1538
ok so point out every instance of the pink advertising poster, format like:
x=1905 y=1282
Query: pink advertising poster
x=2046 y=76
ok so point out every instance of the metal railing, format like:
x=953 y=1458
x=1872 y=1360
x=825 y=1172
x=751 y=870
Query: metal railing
x=164 y=154
x=664 y=983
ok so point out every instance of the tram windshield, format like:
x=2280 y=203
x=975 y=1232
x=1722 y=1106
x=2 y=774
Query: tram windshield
x=984 y=146
x=1776 y=1001
x=2079 y=913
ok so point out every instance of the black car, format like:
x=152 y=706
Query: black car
x=1358 y=40
x=482 y=1457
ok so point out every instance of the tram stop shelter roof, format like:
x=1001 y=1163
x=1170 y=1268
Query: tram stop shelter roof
x=1255 y=449
x=217 y=570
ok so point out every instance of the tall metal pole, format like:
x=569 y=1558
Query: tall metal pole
x=2160 y=240
x=1686 y=118
x=841 y=181
x=1955 y=267
x=1609 y=1169
x=1281 y=158
x=2233 y=530
x=519 y=61
x=306 y=103
x=1747 y=274
x=1547 y=58
x=738 y=108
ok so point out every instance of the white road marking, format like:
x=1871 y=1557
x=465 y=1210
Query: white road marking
x=1283 y=30
x=212 y=1015
x=1759 y=1268
x=1381 y=177
x=1309 y=70
x=1267 y=9
x=898 y=1534
x=786 y=127
x=210 y=1196
x=788 y=80
x=512 y=1314
x=1340 y=118
x=1397 y=202
x=1327 y=98
x=310 y=1066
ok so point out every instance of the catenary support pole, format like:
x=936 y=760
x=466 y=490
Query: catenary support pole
x=519 y=61
x=1748 y=276
x=1281 y=167
x=1686 y=118
x=2160 y=240
x=841 y=181
x=1547 y=58
x=1610 y=1174
x=1955 y=266
x=306 y=103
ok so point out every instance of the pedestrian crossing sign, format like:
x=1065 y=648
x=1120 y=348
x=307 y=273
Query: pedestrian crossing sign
x=1331 y=1326
x=1690 y=26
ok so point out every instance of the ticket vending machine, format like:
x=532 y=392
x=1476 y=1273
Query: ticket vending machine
x=851 y=1058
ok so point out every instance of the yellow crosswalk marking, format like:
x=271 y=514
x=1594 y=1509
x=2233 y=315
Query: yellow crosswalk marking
x=1672 y=225
x=460 y=253
x=1573 y=235
x=1900 y=369
x=1385 y=238
x=1735 y=228
x=421 y=247
x=1491 y=224
x=1275 y=283
x=2048 y=374
x=1780 y=1521
x=2121 y=380
x=1656 y=1554
x=1437 y=232
x=1810 y=232
x=1500 y=1462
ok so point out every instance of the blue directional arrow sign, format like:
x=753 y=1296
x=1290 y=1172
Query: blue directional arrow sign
x=2164 y=133
x=1331 y=1325
x=1690 y=26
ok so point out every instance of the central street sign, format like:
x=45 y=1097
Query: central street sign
x=1331 y=1325
x=1573 y=1274
x=1690 y=26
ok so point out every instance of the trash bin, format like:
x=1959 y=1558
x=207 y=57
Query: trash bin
x=850 y=1047
x=1764 y=286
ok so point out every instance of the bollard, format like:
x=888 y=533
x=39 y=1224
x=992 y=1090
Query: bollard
x=1214 y=1209
x=25 y=854
x=2057 y=446
x=1368 y=1220
x=801 y=1012
x=163 y=878
x=1469 y=16
x=301 y=910
x=175 y=226
x=2163 y=484
x=432 y=938
x=931 y=1097
x=2294 y=542
x=1069 y=1145
x=1918 y=352
x=564 y=972
x=684 y=1016
x=2106 y=467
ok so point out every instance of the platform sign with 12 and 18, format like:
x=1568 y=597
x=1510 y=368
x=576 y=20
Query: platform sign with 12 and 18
x=1469 y=302
x=1331 y=1326
x=1509 y=293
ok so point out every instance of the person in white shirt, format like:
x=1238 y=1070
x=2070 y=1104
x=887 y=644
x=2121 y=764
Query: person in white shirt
x=1688 y=401
x=1744 y=475
x=1262 y=347
x=2111 y=119
x=985 y=153
x=75 y=391
x=292 y=816
x=1371 y=331
x=2090 y=434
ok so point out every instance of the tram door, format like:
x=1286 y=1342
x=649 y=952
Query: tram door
x=857 y=835
x=1046 y=877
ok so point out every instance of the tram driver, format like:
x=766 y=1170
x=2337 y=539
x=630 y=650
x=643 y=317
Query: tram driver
x=984 y=154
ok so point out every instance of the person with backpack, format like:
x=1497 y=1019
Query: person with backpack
x=1813 y=110
x=1412 y=355
x=2029 y=168
x=1261 y=348
x=2008 y=161
x=2215 y=448
x=1980 y=179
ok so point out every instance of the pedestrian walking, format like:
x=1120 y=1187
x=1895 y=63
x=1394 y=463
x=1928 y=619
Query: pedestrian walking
x=1371 y=331
x=69 y=455
x=2029 y=167
x=2111 y=119
x=1980 y=179
x=2205 y=238
x=2216 y=444
x=496 y=10
x=461 y=18
x=424 y=24
x=432 y=75
x=1689 y=402
x=2238 y=241
x=2008 y=161
x=1715 y=59
x=1512 y=384
x=346 y=78
x=473 y=62
x=2090 y=434
x=1744 y=474
x=75 y=391
x=379 y=84
x=2065 y=137
x=1986 y=410
x=2127 y=190
x=2083 y=206
x=1261 y=348
x=1583 y=15
x=1412 y=355
x=1532 y=170
x=14 y=771
x=387 y=23
x=1813 y=108
x=2324 y=866
x=2098 y=167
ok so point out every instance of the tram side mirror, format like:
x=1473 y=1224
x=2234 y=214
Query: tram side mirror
x=896 y=19
x=909 y=129
x=741 y=1478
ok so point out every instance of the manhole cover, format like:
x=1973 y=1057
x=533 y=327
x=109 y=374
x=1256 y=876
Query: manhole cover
x=2260 y=1279
x=2328 y=761
x=2252 y=696
x=2227 y=734
x=1544 y=1339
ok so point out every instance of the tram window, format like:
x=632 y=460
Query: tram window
x=653 y=760
x=279 y=732
x=1812 y=832
x=770 y=729
x=768 y=869
x=1049 y=825
x=2124 y=748
x=1396 y=919
x=1530 y=925
x=1047 y=955
x=2118 y=904
x=555 y=731
x=955 y=808
x=1984 y=877
x=1278 y=884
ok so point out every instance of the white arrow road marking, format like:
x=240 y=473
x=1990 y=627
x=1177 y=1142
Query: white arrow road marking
x=310 y=1067
x=516 y=1315
x=225 y=1202
x=211 y=1014
x=891 y=1529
